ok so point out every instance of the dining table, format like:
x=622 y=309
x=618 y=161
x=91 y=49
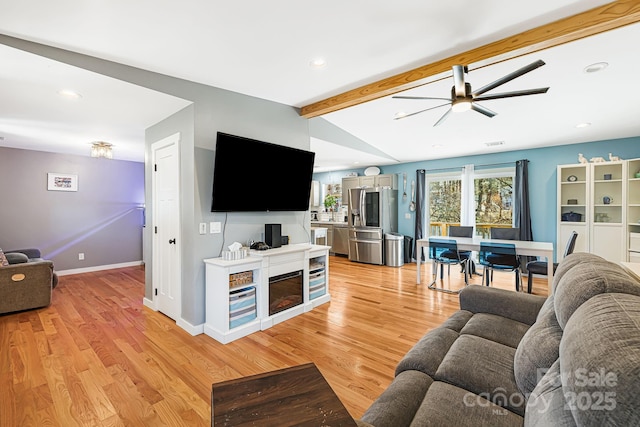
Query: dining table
x=523 y=247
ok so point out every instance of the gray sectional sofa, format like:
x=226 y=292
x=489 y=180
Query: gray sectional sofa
x=27 y=282
x=512 y=359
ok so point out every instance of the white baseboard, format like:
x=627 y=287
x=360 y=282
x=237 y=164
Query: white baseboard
x=149 y=304
x=98 y=268
x=192 y=329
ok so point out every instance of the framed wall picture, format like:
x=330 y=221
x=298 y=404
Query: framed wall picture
x=62 y=182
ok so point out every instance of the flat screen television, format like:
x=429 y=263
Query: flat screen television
x=257 y=176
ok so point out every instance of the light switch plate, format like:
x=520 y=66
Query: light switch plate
x=203 y=228
x=215 y=227
x=407 y=215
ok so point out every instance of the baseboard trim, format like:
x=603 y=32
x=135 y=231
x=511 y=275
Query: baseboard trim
x=98 y=268
x=149 y=304
x=192 y=329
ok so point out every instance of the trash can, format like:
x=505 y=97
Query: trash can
x=408 y=249
x=393 y=249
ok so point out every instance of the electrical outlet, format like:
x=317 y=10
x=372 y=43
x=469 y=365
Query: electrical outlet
x=215 y=227
x=81 y=256
x=203 y=228
x=407 y=215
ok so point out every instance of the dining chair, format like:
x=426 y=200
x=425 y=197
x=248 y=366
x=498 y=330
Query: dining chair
x=460 y=231
x=540 y=267
x=510 y=233
x=437 y=247
x=498 y=256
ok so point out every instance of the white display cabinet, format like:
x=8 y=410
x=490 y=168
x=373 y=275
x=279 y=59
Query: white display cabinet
x=593 y=200
x=573 y=207
x=633 y=210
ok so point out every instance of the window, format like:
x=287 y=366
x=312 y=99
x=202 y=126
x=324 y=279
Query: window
x=482 y=198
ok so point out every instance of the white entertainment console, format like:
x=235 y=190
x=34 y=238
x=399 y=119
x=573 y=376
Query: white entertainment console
x=237 y=291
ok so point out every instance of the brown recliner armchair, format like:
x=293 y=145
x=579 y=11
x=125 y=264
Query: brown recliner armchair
x=27 y=281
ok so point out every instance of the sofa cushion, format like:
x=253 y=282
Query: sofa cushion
x=496 y=328
x=16 y=258
x=571 y=261
x=537 y=350
x=546 y=405
x=586 y=280
x=600 y=361
x=428 y=352
x=485 y=368
x=457 y=320
x=399 y=402
x=448 y=405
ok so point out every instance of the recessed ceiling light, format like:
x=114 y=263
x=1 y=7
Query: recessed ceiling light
x=69 y=94
x=594 y=68
x=436 y=146
x=583 y=125
x=318 y=63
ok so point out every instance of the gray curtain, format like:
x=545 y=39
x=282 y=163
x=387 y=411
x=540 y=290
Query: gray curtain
x=420 y=225
x=521 y=208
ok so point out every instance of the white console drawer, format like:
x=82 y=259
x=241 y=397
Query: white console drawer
x=286 y=258
x=634 y=257
x=634 y=242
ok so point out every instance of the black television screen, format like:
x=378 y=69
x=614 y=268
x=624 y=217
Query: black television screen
x=257 y=176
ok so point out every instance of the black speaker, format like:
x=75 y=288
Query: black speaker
x=273 y=235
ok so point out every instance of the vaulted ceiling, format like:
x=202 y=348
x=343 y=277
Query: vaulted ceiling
x=372 y=50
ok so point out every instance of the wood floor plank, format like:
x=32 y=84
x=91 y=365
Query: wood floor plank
x=98 y=357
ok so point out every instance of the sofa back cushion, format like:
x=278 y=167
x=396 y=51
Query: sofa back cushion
x=589 y=277
x=600 y=361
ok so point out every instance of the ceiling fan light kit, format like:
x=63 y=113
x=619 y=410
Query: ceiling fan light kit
x=464 y=99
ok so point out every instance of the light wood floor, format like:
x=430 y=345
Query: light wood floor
x=97 y=357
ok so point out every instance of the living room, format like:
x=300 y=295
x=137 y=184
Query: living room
x=114 y=234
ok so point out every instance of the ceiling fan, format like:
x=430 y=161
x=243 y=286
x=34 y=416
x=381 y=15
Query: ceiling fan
x=464 y=99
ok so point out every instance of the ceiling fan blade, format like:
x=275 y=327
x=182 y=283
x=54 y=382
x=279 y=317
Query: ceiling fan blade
x=512 y=94
x=443 y=118
x=484 y=110
x=421 y=111
x=420 y=97
x=508 y=77
x=458 y=81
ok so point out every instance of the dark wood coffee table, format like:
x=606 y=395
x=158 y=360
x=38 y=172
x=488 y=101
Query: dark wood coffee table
x=296 y=396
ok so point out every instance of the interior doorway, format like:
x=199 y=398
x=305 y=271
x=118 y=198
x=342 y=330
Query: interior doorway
x=166 y=276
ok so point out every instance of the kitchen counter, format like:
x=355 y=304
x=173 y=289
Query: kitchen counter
x=337 y=223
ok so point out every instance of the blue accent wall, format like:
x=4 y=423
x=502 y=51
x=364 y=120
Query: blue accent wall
x=542 y=177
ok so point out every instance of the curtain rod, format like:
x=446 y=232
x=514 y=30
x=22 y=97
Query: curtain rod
x=475 y=166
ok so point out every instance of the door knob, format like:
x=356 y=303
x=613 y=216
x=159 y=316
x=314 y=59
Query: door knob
x=172 y=241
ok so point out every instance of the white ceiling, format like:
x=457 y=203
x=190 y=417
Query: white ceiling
x=263 y=49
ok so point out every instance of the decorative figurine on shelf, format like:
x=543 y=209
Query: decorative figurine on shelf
x=597 y=159
x=613 y=158
x=582 y=159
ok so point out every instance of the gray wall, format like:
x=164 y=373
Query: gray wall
x=103 y=219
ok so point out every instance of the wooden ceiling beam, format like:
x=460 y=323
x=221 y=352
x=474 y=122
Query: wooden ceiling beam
x=595 y=21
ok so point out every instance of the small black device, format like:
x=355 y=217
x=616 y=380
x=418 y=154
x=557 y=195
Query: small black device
x=273 y=235
x=260 y=246
x=285 y=240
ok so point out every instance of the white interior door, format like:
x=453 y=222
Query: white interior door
x=166 y=226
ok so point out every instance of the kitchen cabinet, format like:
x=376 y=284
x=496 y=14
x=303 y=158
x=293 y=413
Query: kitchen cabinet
x=384 y=180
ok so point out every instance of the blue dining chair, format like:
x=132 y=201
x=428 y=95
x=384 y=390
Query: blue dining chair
x=445 y=252
x=498 y=256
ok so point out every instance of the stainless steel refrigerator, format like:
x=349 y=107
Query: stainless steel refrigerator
x=372 y=213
